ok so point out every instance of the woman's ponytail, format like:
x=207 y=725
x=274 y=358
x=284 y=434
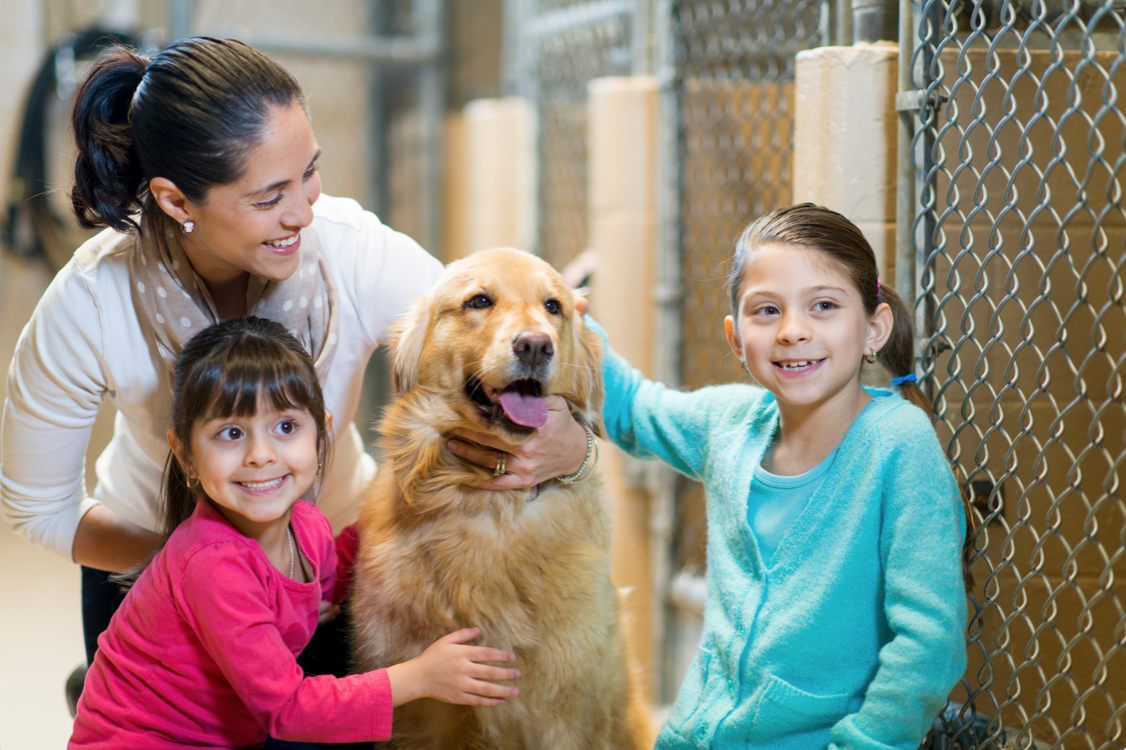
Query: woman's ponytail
x=898 y=354
x=107 y=173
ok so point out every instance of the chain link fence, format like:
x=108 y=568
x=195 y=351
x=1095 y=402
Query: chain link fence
x=1019 y=149
x=561 y=46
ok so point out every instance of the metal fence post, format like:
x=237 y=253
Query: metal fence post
x=667 y=345
x=427 y=17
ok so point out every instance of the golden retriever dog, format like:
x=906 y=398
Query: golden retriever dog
x=496 y=336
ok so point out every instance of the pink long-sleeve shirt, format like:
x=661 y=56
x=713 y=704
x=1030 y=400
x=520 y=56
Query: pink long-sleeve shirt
x=203 y=650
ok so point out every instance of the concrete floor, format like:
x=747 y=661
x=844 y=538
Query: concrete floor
x=40 y=609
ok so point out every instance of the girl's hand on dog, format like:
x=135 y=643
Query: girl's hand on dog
x=555 y=450
x=453 y=672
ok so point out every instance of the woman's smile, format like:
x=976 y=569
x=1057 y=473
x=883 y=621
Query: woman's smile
x=286 y=246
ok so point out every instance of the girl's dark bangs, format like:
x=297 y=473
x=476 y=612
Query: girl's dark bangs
x=239 y=390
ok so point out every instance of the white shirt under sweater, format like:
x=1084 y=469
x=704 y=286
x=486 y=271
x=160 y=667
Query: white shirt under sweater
x=84 y=343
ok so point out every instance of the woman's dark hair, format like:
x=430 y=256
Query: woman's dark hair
x=817 y=228
x=230 y=369
x=191 y=114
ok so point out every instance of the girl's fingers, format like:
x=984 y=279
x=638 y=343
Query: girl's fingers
x=492 y=690
x=483 y=654
x=496 y=674
x=467 y=699
x=461 y=636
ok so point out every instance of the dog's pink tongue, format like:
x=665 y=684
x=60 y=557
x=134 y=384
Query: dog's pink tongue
x=527 y=411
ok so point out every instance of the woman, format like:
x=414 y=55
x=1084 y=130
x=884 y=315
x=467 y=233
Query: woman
x=201 y=163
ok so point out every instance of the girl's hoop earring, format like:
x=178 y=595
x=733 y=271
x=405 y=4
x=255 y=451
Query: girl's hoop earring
x=188 y=227
x=320 y=466
x=870 y=357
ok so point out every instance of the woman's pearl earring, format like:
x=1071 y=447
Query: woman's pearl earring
x=188 y=227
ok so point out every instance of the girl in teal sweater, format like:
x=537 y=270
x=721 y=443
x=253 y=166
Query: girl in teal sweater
x=836 y=609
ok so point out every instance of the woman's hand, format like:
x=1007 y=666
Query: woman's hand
x=556 y=450
x=453 y=672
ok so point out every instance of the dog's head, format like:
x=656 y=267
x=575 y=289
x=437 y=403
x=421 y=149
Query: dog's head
x=496 y=335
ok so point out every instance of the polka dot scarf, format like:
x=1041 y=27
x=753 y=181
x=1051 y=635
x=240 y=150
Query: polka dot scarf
x=177 y=304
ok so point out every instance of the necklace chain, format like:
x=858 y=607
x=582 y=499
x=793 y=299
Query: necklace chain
x=292 y=556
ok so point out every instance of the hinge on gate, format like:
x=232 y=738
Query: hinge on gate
x=916 y=99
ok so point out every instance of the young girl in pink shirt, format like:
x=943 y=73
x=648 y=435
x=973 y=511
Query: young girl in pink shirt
x=203 y=650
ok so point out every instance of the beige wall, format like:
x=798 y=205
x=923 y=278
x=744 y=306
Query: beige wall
x=493 y=163
x=845 y=137
x=622 y=178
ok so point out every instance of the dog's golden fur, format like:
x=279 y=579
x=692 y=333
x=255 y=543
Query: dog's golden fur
x=531 y=571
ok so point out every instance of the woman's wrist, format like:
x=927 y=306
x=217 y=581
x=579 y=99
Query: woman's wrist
x=590 y=458
x=577 y=448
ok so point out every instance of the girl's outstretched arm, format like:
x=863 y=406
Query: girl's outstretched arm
x=650 y=420
x=453 y=672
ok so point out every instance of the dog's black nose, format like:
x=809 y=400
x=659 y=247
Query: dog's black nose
x=533 y=348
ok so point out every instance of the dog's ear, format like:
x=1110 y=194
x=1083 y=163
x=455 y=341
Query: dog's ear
x=587 y=386
x=407 y=337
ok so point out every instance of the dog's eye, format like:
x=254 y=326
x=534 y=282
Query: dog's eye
x=553 y=306
x=479 y=302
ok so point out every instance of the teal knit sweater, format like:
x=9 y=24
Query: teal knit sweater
x=854 y=635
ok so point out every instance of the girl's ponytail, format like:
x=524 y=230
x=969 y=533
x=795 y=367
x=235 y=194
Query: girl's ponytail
x=107 y=173
x=898 y=354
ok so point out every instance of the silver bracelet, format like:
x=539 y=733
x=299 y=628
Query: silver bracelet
x=591 y=447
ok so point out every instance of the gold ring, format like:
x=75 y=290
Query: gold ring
x=501 y=467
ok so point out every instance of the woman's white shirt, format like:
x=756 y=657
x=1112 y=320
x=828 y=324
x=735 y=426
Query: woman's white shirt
x=85 y=343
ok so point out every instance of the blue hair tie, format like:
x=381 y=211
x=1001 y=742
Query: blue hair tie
x=904 y=379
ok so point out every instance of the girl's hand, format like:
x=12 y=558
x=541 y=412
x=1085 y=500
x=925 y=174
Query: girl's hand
x=556 y=450
x=453 y=672
x=328 y=613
